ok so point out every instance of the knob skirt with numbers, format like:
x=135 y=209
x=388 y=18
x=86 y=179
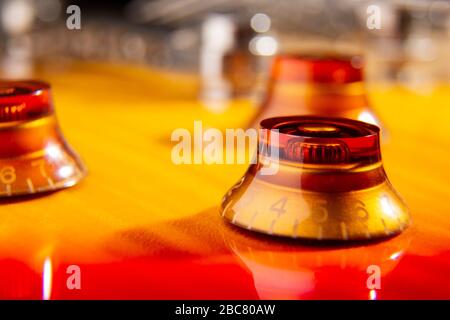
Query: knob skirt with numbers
x=317 y=178
x=34 y=156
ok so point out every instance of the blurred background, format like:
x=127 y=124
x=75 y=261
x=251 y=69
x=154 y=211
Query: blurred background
x=227 y=45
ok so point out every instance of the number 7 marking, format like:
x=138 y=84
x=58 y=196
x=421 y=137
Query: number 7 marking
x=41 y=164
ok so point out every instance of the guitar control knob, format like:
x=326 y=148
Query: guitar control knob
x=321 y=85
x=34 y=156
x=326 y=181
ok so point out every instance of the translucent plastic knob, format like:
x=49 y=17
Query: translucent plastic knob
x=330 y=183
x=34 y=156
x=322 y=85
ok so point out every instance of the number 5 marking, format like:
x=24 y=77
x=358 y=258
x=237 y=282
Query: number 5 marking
x=320 y=214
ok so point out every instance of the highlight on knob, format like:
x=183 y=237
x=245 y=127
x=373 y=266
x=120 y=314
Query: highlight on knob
x=330 y=183
x=327 y=84
x=34 y=157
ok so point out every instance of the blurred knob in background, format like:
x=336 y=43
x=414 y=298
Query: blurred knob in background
x=325 y=84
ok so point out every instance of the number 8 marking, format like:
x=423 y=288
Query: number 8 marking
x=8 y=175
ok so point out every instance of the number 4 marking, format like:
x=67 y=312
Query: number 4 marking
x=278 y=206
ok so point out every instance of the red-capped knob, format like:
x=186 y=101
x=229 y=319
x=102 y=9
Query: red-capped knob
x=34 y=156
x=318 y=178
x=324 y=85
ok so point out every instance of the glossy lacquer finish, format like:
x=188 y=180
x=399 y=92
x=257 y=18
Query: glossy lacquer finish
x=141 y=227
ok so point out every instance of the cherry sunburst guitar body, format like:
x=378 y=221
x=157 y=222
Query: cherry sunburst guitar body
x=140 y=227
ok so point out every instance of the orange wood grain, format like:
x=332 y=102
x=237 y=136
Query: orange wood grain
x=136 y=203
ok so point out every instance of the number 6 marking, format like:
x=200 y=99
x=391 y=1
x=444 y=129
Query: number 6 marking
x=361 y=211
